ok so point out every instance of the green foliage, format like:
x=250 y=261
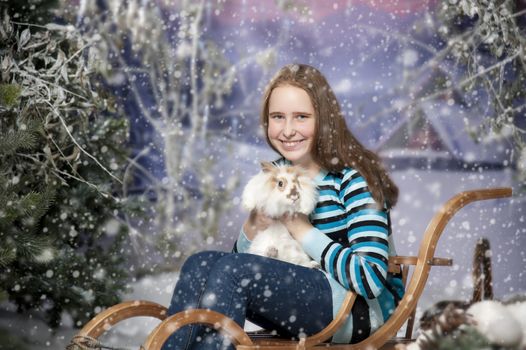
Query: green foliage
x=29 y=11
x=9 y=94
x=9 y=342
x=62 y=155
x=467 y=339
x=462 y=338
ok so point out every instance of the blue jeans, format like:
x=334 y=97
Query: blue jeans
x=286 y=299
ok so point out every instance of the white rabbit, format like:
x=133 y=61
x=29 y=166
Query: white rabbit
x=275 y=191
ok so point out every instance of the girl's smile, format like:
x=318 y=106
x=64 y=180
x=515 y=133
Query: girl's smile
x=291 y=145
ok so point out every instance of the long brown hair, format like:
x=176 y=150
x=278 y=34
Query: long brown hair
x=335 y=147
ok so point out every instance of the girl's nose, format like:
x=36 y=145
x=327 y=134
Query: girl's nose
x=288 y=130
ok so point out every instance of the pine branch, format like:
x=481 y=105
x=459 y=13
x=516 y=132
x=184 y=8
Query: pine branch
x=7 y=256
x=11 y=142
x=74 y=140
x=35 y=205
x=30 y=246
x=9 y=94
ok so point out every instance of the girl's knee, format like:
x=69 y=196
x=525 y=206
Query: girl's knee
x=201 y=260
x=233 y=266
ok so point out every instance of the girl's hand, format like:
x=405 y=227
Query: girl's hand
x=297 y=224
x=255 y=223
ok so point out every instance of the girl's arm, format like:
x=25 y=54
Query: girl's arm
x=256 y=222
x=360 y=265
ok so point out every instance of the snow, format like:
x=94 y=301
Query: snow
x=128 y=333
x=497 y=323
x=316 y=36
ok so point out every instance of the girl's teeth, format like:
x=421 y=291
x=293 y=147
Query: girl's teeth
x=290 y=144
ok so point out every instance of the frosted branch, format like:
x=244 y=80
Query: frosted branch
x=79 y=146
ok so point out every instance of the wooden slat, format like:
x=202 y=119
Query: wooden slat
x=128 y=309
x=218 y=321
x=412 y=260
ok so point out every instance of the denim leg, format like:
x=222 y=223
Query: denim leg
x=296 y=301
x=292 y=300
x=188 y=292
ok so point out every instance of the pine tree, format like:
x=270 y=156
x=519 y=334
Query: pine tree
x=29 y=11
x=62 y=157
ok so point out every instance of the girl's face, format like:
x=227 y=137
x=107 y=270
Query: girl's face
x=292 y=124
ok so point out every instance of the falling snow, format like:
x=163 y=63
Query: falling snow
x=194 y=138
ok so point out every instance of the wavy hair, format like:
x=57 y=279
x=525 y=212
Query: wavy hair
x=335 y=147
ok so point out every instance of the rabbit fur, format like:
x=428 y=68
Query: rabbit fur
x=277 y=190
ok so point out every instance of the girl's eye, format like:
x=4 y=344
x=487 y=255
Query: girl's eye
x=301 y=117
x=276 y=116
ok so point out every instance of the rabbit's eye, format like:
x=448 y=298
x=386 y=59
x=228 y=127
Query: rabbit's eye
x=281 y=184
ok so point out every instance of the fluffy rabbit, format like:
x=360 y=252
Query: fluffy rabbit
x=275 y=191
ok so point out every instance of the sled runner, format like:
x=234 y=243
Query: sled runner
x=382 y=338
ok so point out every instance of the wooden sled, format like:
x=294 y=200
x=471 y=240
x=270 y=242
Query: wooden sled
x=382 y=338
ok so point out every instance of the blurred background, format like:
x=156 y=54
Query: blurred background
x=129 y=128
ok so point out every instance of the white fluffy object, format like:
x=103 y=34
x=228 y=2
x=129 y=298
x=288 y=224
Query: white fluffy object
x=503 y=325
x=518 y=310
x=275 y=191
x=497 y=323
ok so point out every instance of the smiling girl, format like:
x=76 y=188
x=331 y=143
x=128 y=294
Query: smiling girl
x=348 y=233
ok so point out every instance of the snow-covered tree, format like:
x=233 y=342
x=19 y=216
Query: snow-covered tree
x=177 y=79
x=62 y=159
x=488 y=39
x=470 y=53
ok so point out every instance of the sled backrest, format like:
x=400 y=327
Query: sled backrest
x=425 y=260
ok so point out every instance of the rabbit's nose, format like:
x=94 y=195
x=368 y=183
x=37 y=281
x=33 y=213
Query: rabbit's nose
x=294 y=194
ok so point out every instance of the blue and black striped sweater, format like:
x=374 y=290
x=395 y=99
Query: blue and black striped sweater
x=351 y=240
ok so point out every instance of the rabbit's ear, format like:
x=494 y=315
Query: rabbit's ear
x=252 y=192
x=309 y=195
x=267 y=167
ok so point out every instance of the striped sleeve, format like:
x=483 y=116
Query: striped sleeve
x=360 y=265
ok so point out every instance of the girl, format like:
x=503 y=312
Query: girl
x=348 y=233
